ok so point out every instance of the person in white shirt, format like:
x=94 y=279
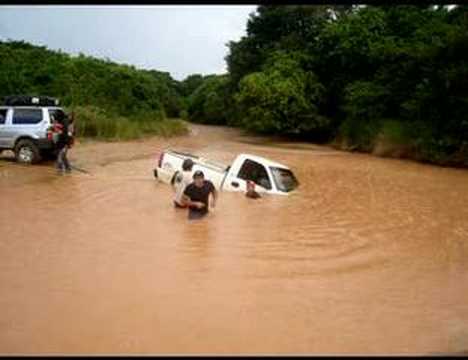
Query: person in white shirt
x=181 y=181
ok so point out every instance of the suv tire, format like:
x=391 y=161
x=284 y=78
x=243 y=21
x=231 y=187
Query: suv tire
x=27 y=152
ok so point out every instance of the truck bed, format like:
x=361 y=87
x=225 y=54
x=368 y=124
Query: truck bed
x=266 y=174
x=173 y=159
x=212 y=165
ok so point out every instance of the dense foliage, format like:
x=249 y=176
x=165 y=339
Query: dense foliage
x=207 y=104
x=388 y=79
x=119 y=96
x=283 y=98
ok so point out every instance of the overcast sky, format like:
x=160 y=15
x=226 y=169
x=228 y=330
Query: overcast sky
x=182 y=40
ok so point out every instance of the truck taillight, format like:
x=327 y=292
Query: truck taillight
x=49 y=133
x=161 y=156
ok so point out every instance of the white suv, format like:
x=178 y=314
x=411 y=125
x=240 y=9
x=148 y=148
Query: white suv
x=27 y=130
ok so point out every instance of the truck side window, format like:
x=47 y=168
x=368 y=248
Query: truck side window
x=27 y=116
x=3 y=113
x=251 y=170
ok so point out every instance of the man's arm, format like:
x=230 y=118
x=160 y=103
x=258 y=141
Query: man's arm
x=215 y=197
x=187 y=202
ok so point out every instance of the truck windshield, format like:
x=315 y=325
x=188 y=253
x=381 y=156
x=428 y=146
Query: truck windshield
x=284 y=179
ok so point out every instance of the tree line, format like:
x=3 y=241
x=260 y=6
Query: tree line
x=386 y=79
x=392 y=80
x=113 y=101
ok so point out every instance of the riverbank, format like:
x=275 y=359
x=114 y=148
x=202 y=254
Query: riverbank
x=386 y=148
x=388 y=143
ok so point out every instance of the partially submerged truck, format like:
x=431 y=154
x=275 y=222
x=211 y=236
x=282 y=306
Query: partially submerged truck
x=269 y=176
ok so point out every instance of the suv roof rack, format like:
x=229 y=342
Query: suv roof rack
x=27 y=100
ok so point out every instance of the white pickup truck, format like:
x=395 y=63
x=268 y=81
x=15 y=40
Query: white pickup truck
x=269 y=176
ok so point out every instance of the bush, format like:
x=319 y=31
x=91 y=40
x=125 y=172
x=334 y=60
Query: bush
x=184 y=115
x=282 y=99
x=394 y=139
x=359 y=134
x=208 y=103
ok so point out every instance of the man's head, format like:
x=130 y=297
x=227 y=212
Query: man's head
x=187 y=165
x=59 y=116
x=198 y=178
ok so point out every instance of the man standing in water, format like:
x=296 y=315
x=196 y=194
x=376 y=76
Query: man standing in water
x=196 y=196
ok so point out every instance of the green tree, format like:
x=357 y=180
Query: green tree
x=207 y=104
x=282 y=98
x=83 y=80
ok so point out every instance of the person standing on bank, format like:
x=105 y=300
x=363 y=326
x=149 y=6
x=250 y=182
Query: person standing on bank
x=64 y=142
x=196 y=196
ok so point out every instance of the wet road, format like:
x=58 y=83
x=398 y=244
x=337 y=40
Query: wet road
x=370 y=256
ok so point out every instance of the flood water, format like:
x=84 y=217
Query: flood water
x=369 y=256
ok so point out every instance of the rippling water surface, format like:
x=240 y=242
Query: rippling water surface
x=370 y=255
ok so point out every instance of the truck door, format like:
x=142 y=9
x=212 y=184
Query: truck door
x=4 y=129
x=253 y=171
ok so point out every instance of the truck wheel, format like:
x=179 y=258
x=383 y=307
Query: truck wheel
x=26 y=152
x=174 y=177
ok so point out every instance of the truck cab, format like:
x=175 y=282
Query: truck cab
x=269 y=176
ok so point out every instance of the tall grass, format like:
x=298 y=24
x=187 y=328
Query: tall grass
x=358 y=134
x=398 y=139
x=94 y=122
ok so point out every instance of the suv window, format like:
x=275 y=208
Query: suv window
x=252 y=170
x=3 y=113
x=27 y=116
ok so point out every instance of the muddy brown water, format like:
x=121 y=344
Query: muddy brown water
x=369 y=256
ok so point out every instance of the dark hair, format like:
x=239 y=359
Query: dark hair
x=198 y=173
x=187 y=165
x=59 y=116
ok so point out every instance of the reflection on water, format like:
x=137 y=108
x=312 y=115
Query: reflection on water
x=368 y=256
